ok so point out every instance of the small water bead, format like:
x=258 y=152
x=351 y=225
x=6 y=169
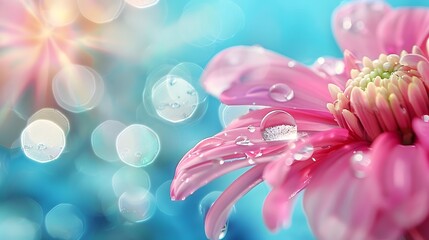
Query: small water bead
x=425 y=118
x=65 y=222
x=103 y=140
x=127 y=178
x=251 y=128
x=100 y=11
x=360 y=164
x=243 y=141
x=137 y=145
x=43 y=141
x=142 y=3
x=278 y=125
x=137 y=205
x=281 y=92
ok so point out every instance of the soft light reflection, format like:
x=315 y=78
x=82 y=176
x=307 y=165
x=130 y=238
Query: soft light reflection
x=59 y=13
x=137 y=205
x=103 y=140
x=101 y=11
x=64 y=222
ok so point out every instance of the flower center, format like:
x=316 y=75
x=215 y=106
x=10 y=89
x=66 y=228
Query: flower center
x=383 y=96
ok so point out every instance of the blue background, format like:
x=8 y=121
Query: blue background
x=298 y=29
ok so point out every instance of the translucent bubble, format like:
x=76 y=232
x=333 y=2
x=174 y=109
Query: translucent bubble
x=101 y=11
x=142 y=3
x=18 y=228
x=205 y=205
x=278 y=125
x=360 y=164
x=175 y=100
x=137 y=145
x=137 y=205
x=128 y=178
x=53 y=115
x=281 y=92
x=58 y=13
x=64 y=221
x=174 y=94
x=77 y=88
x=43 y=141
x=227 y=113
x=243 y=141
x=11 y=125
x=103 y=140
x=204 y=22
x=164 y=202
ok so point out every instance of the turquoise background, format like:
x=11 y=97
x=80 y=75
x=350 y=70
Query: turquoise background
x=298 y=29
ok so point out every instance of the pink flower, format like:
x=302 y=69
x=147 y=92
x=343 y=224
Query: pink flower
x=353 y=133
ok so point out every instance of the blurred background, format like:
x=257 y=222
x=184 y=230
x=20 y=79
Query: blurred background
x=101 y=99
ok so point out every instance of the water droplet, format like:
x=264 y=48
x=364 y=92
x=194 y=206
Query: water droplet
x=304 y=153
x=243 y=141
x=251 y=161
x=291 y=64
x=251 y=128
x=138 y=140
x=278 y=125
x=360 y=164
x=281 y=92
x=171 y=80
x=425 y=118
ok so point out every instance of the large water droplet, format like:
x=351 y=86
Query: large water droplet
x=43 y=141
x=281 y=92
x=360 y=163
x=137 y=145
x=278 y=125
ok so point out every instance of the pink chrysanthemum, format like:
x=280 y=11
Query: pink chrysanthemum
x=352 y=133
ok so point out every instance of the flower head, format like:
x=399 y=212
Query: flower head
x=353 y=133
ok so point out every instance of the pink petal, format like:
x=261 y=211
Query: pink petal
x=355 y=25
x=218 y=213
x=403 y=28
x=333 y=69
x=405 y=183
x=276 y=171
x=244 y=75
x=421 y=128
x=279 y=202
x=338 y=204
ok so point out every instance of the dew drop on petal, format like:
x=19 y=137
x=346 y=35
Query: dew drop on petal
x=360 y=164
x=278 y=125
x=251 y=128
x=137 y=205
x=137 y=145
x=425 y=118
x=243 y=141
x=43 y=141
x=304 y=152
x=65 y=222
x=281 y=92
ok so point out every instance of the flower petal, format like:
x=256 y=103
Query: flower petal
x=338 y=204
x=219 y=211
x=355 y=25
x=421 y=128
x=403 y=28
x=244 y=75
